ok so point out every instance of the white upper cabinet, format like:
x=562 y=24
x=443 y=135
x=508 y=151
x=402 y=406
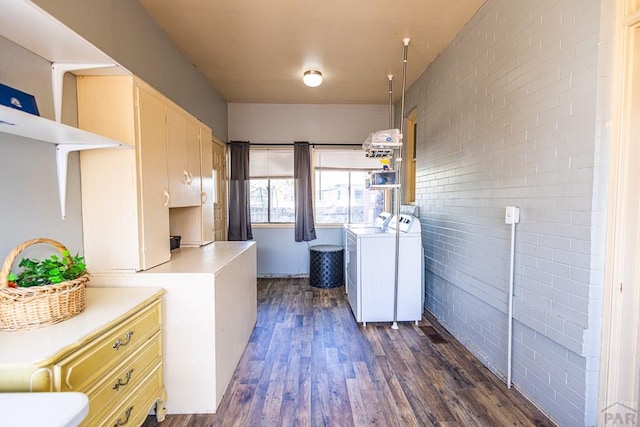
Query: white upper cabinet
x=184 y=159
x=125 y=195
x=133 y=200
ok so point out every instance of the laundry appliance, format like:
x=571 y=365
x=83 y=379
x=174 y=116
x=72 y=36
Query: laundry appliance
x=378 y=225
x=370 y=270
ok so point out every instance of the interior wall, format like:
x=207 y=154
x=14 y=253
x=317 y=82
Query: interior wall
x=514 y=113
x=323 y=124
x=28 y=168
x=29 y=186
x=123 y=30
x=279 y=255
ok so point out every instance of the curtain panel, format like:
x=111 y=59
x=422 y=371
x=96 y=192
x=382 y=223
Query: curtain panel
x=304 y=224
x=239 y=193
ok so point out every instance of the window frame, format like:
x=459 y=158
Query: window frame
x=350 y=184
x=269 y=178
x=315 y=169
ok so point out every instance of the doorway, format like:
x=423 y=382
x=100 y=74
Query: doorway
x=219 y=190
x=410 y=154
x=619 y=380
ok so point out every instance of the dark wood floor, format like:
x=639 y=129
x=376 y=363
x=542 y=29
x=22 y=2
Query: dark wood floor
x=309 y=364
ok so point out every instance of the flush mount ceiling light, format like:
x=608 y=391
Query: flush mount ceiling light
x=312 y=78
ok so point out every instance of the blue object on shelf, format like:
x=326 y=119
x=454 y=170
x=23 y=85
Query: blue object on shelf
x=19 y=100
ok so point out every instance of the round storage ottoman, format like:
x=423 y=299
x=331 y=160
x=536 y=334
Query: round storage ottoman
x=327 y=266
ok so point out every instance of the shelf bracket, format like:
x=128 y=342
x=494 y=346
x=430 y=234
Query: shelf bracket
x=62 y=159
x=58 y=71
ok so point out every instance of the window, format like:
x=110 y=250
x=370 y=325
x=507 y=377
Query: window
x=272 y=200
x=271 y=186
x=340 y=188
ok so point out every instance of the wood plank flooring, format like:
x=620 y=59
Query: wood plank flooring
x=309 y=363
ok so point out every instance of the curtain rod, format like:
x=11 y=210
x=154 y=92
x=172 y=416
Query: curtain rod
x=311 y=143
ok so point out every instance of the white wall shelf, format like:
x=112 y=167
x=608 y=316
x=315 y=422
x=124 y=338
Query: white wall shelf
x=19 y=123
x=29 y=26
x=67 y=139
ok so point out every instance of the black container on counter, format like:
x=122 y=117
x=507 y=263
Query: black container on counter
x=174 y=242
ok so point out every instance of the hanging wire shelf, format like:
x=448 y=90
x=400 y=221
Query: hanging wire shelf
x=383 y=139
x=379 y=153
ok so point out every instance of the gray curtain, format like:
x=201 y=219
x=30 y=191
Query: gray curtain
x=239 y=209
x=305 y=228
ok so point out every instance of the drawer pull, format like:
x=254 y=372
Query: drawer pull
x=120 y=383
x=128 y=414
x=119 y=343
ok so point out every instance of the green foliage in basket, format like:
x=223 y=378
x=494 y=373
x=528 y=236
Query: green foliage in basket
x=49 y=271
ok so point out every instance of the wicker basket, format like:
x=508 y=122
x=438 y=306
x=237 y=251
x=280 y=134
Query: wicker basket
x=37 y=306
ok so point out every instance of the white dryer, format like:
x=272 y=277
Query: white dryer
x=370 y=271
x=378 y=225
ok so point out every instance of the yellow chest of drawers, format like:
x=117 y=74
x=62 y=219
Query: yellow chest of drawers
x=112 y=352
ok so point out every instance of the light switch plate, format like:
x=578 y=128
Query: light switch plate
x=512 y=215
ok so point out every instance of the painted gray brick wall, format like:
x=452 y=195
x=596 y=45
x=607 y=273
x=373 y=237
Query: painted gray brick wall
x=513 y=113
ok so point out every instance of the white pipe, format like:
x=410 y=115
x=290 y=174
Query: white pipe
x=390 y=77
x=511 y=276
x=394 y=325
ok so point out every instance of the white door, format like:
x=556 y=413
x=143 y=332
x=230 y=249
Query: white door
x=620 y=367
x=152 y=170
x=220 y=189
x=208 y=193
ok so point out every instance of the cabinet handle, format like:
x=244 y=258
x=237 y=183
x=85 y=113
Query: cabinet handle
x=186 y=177
x=128 y=414
x=165 y=193
x=203 y=197
x=120 y=383
x=119 y=343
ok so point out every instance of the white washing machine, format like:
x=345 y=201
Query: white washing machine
x=370 y=271
x=379 y=224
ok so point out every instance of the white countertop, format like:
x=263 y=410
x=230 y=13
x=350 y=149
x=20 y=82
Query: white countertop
x=210 y=258
x=66 y=409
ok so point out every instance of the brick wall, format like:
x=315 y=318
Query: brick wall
x=513 y=113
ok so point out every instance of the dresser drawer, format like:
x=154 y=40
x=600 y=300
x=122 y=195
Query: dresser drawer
x=82 y=368
x=133 y=410
x=124 y=378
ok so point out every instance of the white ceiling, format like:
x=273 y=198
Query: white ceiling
x=256 y=50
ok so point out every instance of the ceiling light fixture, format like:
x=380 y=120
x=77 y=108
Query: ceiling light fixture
x=312 y=78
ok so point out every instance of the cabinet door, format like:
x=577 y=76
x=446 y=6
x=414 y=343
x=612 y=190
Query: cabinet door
x=206 y=174
x=109 y=178
x=177 y=157
x=195 y=223
x=192 y=146
x=184 y=159
x=152 y=173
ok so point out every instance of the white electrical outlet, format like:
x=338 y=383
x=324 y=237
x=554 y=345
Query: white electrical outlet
x=512 y=215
